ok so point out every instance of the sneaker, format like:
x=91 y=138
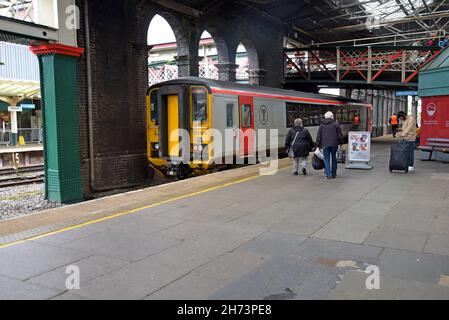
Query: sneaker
x=304 y=172
x=295 y=173
x=410 y=169
x=327 y=178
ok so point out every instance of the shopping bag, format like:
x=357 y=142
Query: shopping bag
x=317 y=163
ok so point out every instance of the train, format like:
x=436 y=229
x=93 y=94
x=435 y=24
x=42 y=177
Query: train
x=181 y=114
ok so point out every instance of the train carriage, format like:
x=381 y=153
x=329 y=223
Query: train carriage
x=182 y=113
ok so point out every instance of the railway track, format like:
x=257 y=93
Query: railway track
x=22 y=176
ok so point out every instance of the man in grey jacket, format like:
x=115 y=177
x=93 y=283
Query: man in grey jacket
x=329 y=138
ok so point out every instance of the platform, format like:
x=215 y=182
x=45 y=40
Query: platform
x=29 y=155
x=238 y=235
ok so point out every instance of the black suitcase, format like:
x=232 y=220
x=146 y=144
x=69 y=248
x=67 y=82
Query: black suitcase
x=399 y=157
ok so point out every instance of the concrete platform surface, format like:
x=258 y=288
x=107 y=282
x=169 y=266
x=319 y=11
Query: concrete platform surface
x=18 y=149
x=238 y=235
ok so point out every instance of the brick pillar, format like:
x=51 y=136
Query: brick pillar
x=60 y=122
x=256 y=76
x=227 y=71
x=187 y=66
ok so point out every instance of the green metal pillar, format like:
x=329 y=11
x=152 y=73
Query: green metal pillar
x=60 y=122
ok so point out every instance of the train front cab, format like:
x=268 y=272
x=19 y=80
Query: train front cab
x=179 y=119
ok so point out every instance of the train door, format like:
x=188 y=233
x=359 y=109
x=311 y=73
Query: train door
x=247 y=135
x=173 y=125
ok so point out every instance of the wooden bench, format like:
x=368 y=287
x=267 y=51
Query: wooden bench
x=435 y=144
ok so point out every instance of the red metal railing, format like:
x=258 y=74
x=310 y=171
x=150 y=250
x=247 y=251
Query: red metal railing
x=368 y=64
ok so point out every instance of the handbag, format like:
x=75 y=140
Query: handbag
x=290 y=152
x=317 y=163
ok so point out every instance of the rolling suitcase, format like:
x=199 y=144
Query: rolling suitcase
x=341 y=155
x=399 y=157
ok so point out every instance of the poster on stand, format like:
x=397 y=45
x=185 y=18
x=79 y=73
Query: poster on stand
x=359 y=146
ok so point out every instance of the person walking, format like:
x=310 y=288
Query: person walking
x=300 y=143
x=408 y=135
x=329 y=137
x=394 y=122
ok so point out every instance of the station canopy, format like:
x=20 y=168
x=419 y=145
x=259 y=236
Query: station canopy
x=351 y=22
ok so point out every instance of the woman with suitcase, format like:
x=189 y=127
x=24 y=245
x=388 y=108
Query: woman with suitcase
x=407 y=134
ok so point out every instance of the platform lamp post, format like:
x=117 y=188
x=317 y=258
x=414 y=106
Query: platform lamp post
x=60 y=121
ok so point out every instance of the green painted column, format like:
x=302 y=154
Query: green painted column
x=60 y=122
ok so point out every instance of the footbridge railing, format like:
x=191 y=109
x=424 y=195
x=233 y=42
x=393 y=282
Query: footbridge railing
x=394 y=65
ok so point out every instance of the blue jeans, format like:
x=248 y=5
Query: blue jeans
x=329 y=152
x=411 y=152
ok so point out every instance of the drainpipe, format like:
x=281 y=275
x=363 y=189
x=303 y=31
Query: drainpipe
x=89 y=99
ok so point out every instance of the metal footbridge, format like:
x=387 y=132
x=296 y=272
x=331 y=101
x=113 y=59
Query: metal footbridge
x=357 y=66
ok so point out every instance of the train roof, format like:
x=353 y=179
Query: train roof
x=229 y=85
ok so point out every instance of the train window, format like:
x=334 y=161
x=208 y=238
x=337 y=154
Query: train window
x=246 y=116
x=291 y=114
x=230 y=115
x=321 y=117
x=199 y=104
x=338 y=116
x=153 y=107
x=351 y=116
x=345 y=116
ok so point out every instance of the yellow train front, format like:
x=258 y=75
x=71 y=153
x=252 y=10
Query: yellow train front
x=188 y=117
x=178 y=116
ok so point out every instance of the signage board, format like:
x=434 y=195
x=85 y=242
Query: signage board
x=14 y=109
x=406 y=93
x=359 y=146
x=434 y=118
x=28 y=106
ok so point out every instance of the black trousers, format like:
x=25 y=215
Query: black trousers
x=394 y=127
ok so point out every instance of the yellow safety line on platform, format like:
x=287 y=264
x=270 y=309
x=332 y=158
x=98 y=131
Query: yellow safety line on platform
x=130 y=211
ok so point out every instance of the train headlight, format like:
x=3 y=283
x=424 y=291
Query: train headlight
x=156 y=146
x=197 y=148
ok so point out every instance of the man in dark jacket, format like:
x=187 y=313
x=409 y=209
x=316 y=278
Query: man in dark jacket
x=301 y=143
x=329 y=138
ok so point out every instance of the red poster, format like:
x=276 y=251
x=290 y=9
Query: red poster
x=434 y=118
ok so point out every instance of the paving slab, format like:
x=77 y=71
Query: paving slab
x=395 y=238
x=140 y=279
x=12 y=289
x=338 y=250
x=412 y=223
x=30 y=259
x=211 y=277
x=90 y=268
x=346 y=229
x=438 y=244
x=353 y=287
x=273 y=243
x=409 y=265
x=126 y=245
x=415 y=290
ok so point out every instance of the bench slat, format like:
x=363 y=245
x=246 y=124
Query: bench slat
x=438 y=140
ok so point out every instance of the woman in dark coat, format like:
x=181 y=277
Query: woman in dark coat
x=301 y=146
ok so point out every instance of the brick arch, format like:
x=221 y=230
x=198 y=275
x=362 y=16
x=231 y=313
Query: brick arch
x=220 y=43
x=251 y=51
x=175 y=24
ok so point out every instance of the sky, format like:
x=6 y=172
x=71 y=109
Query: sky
x=161 y=32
